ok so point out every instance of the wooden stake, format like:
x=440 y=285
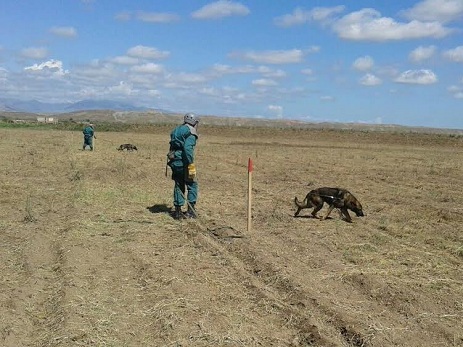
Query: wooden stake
x=250 y=169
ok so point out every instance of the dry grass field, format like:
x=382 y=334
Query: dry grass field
x=89 y=255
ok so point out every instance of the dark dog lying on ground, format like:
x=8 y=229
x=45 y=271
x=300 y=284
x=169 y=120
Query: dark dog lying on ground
x=128 y=147
x=335 y=198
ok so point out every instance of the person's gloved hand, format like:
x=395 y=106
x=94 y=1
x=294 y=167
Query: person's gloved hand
x=191 y=171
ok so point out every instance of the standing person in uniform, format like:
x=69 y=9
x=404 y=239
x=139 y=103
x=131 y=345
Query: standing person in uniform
x=89 y=134
x=181 y=159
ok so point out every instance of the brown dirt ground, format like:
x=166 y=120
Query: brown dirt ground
x=89 y=255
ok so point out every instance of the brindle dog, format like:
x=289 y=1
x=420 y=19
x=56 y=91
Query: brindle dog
x=335 y=198
x=128 y=147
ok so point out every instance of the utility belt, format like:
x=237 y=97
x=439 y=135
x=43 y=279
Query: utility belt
x=171 y=155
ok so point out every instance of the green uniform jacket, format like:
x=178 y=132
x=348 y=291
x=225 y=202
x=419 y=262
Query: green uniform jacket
x=88 y=131
x=183 y=142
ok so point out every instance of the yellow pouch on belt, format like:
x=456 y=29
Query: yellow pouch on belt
x=191 y=171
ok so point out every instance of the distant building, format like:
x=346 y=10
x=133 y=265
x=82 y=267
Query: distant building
x=46 y=119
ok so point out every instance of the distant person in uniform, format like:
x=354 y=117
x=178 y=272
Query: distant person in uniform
x=181 y=159
x=89 y=134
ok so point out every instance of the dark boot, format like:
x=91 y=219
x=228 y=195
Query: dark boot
x=178 y=214
x=191 y=213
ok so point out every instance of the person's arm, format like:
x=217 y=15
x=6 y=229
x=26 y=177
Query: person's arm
x=189 y=148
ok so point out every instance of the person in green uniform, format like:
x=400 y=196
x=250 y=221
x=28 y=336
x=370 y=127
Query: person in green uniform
x=181 y=159
x=89 y=134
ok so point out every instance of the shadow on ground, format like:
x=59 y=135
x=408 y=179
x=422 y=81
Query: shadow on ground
x=159 y=208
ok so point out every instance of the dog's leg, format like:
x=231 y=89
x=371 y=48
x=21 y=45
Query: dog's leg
x=346 y=214
x=316 y=209
x=329 y=211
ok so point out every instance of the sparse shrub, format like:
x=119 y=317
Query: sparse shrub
x=459 y=251
x=76 y=174
x=29 y=218
x=383 y=224
x=121 y=166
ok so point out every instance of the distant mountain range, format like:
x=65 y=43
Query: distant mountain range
x=34 y=106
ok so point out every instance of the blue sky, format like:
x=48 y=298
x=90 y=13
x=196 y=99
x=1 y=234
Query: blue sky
x=382 y=62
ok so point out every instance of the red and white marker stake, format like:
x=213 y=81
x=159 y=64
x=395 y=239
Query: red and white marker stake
x=250 y=169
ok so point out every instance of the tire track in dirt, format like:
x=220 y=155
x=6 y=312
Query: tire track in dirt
x=294 y=309
x=307 y=314
x=180 y=303
x=300 y=302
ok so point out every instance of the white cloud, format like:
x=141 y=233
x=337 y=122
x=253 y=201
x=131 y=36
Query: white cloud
x=436 y=10
x=278 y=110
x=298 y=17
x=96 y=73
x=124 y=60
x=456 y=92
x=118 y=91
x=301 y=16
x=157 y=17
x=417 y=77
x=273 y=57
x=308 y=72
x=209 y=91
x=271 y=73
x=370 y=80
x=264 y=82
x=67 y=32
x=363 y=63
x=145 y=52
x=455 y=55
x=3 y=74
x=223 y=69
x=184 y=79
x=422 y=53
x=323 y=14
x=221 y=9
x=312 y=49
x=327 y=98
x=34 y=52
x=149 y=68
x=51 y=67
x=123 y=16
x=121 y=89
x=368 y=25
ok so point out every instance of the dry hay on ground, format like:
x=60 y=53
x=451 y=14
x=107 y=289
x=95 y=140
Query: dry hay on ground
x=90 y=256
